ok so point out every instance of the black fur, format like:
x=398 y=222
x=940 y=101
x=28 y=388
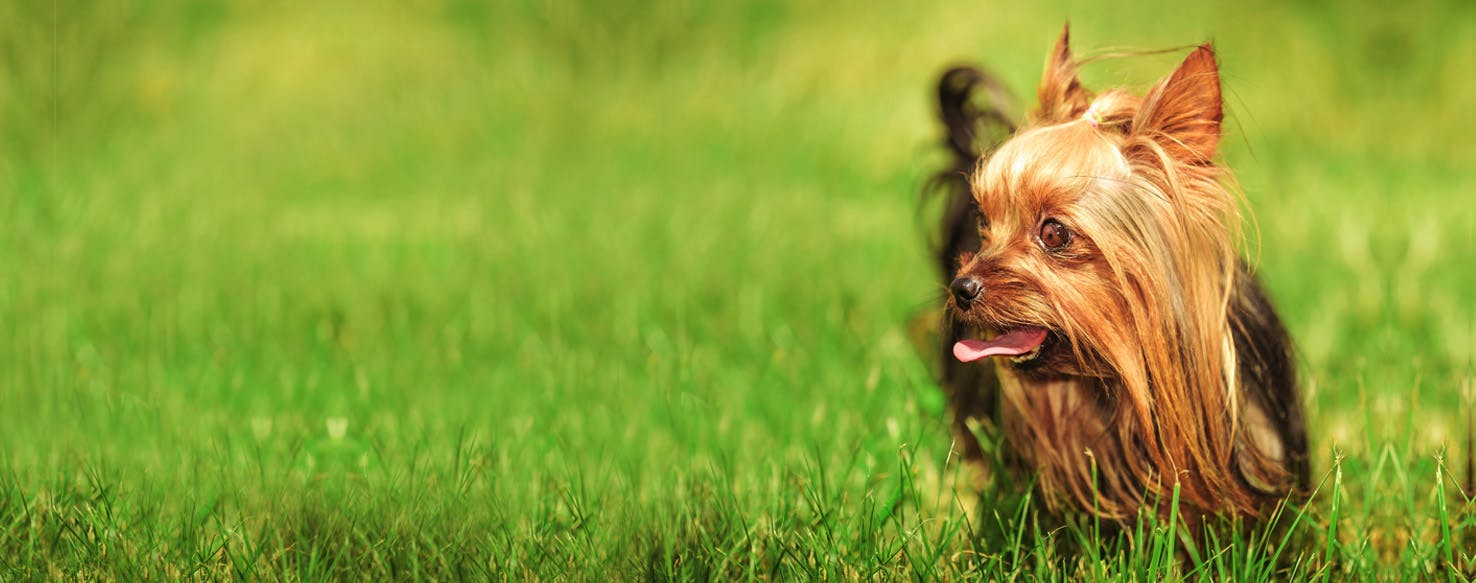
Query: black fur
x=976 y=112
x=1268 y=368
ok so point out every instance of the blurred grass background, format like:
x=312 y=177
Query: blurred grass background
x=538 y=287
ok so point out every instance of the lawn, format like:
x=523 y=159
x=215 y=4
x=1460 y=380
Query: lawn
x=608 y=290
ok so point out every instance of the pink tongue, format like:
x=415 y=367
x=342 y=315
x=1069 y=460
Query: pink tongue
x=1013 y=343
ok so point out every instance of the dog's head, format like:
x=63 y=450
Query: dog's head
x=1107 y=239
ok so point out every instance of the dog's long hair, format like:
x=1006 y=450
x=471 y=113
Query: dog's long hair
x=1169 y=366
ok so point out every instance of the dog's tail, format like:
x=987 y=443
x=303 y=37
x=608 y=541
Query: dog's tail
x=978 y=114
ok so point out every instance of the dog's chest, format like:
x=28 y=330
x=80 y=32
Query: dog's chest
x=1059 y=417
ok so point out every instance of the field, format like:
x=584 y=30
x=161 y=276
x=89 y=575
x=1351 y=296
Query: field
x=448 y=290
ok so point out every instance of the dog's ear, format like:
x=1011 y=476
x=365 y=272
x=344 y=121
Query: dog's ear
x=1061 y=96
x=1183 y=112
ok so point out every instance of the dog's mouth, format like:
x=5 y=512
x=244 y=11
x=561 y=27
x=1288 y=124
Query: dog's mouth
x=1022 y=345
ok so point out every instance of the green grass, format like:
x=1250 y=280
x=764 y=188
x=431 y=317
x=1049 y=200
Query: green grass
x=444 y=290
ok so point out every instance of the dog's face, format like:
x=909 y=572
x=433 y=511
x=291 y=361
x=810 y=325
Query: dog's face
x=1040 y=279
x=1105 y=239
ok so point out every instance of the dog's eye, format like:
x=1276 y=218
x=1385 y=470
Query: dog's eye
x=1054 y=236
x=983 y=222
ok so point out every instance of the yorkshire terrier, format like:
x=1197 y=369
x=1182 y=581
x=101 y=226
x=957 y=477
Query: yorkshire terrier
x=1092 y=251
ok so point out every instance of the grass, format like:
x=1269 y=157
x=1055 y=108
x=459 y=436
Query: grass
x=597 y=290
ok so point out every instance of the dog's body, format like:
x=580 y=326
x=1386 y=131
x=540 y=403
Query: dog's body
x=1096 y=246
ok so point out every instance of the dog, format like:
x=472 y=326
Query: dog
x=1098 y=313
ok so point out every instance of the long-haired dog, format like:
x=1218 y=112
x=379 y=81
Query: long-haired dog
x=1093 y=250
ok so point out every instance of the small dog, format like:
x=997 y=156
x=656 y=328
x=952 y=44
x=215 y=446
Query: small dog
x=1093 y=252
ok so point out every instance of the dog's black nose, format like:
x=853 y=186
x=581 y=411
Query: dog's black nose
x=965 y=291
